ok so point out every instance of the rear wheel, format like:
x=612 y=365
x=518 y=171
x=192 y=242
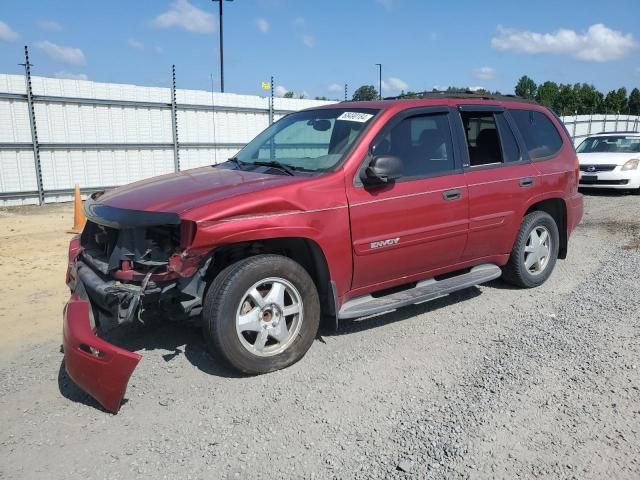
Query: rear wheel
x=535 y=251
x=262 y=313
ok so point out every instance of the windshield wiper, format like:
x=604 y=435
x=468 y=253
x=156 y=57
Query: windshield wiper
x=238 y=163
x=288 y=169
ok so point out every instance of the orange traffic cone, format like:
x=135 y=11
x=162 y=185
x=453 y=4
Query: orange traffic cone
x=78 y=214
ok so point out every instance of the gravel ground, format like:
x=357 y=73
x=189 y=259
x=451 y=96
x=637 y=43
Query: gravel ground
x=492 y=382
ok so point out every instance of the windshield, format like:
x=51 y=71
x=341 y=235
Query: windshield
x=312 y=140
x=610 y=144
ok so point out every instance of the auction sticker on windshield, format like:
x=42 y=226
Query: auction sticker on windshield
x=355 y=116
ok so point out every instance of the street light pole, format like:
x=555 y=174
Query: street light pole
x=379 y=80
x=221 y=44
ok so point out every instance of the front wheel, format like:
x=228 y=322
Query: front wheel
x=535 y=251
x=262 y=313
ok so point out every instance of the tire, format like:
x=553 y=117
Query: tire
x=519 y=271
x=261 y=314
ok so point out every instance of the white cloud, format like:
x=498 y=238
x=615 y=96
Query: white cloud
x=70 y=55
x=183 y=15
x=388 y=4
x=393 y=84
x=308 y=40
x=71 y=76
x=298 y=22
x=280 y=90
x=262 y=25
x=6 y=34
x=598 y=43
x=50 y=26
x=133 y=43
x=484 y=73
x=335 y=87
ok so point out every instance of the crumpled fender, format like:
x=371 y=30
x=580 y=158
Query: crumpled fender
x=98 y=367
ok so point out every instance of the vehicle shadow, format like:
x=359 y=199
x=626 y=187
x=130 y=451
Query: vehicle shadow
x=178 y=339
x=355 y=325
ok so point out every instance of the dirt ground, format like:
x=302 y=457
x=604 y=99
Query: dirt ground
x=491 y=382
x=33 y=261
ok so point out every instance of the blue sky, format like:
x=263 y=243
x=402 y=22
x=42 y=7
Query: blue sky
x=316 y=46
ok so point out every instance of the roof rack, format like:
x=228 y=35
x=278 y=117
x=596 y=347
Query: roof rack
x=469 y=94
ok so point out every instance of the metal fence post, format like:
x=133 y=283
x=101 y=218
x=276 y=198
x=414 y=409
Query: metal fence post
x=345 y=92
x=271 y=104
x=575 y=124
x=174 y=121
x=32 y=123
x=590 y=122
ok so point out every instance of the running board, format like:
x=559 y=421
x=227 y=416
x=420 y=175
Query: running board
x=424 y=291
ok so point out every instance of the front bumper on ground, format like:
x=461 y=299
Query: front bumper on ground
x=96 y=366
x=627 y=180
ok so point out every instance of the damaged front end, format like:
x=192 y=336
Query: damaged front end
x=127 y=266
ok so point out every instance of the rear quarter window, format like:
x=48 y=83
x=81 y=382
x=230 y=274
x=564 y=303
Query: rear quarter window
x=541 y=137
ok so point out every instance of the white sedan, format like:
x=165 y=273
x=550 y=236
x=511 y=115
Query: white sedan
x=610 y=160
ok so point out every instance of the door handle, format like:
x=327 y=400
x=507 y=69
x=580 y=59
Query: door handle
x=451 y=194
x=526 y=182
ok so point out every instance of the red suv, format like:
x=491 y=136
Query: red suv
x=351 y=209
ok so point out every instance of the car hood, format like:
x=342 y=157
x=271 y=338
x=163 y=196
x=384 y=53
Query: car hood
x=182 y=191
x=606 y=158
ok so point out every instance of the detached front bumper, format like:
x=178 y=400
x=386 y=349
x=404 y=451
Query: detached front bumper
x=96 y=366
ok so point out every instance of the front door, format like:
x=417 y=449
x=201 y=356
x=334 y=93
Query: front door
x=419 y=222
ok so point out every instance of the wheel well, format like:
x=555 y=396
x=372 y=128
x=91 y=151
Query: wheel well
x=302 y=250
x=558 y=210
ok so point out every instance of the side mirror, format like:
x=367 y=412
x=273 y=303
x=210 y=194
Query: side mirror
x=382 y=170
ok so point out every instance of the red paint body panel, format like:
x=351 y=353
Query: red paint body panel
x=430 y=231
x=104 y=377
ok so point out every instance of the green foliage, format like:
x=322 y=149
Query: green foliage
x=322 y=98
x=583 y=98
x=526 y=88
x=616 y=101
x=288 y=95
x=365 y=92
x=634 y=102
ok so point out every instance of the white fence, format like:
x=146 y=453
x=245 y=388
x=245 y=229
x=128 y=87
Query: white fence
x=102 y=135
x=581 y=126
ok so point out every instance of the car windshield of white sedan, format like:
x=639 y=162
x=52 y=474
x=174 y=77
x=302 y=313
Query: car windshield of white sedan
x=610 y=144
x=311 y=140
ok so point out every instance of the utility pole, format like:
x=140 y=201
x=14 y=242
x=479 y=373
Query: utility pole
x=345 y=92
x=221 y=44
x=379 y=80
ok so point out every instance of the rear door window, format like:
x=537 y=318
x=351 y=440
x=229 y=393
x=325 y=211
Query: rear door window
x=490 y=139
x=540 y=135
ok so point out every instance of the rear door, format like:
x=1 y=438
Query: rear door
x=499 y=176
x=419 y=222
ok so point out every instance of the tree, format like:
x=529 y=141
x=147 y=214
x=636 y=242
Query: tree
x=526 y=88
x=588 y=98
x=566 y=102
x=616 y=101
x=321 y=98
x=547 y=94
x=365 y=92
x=634 y=102
x=289 y=94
